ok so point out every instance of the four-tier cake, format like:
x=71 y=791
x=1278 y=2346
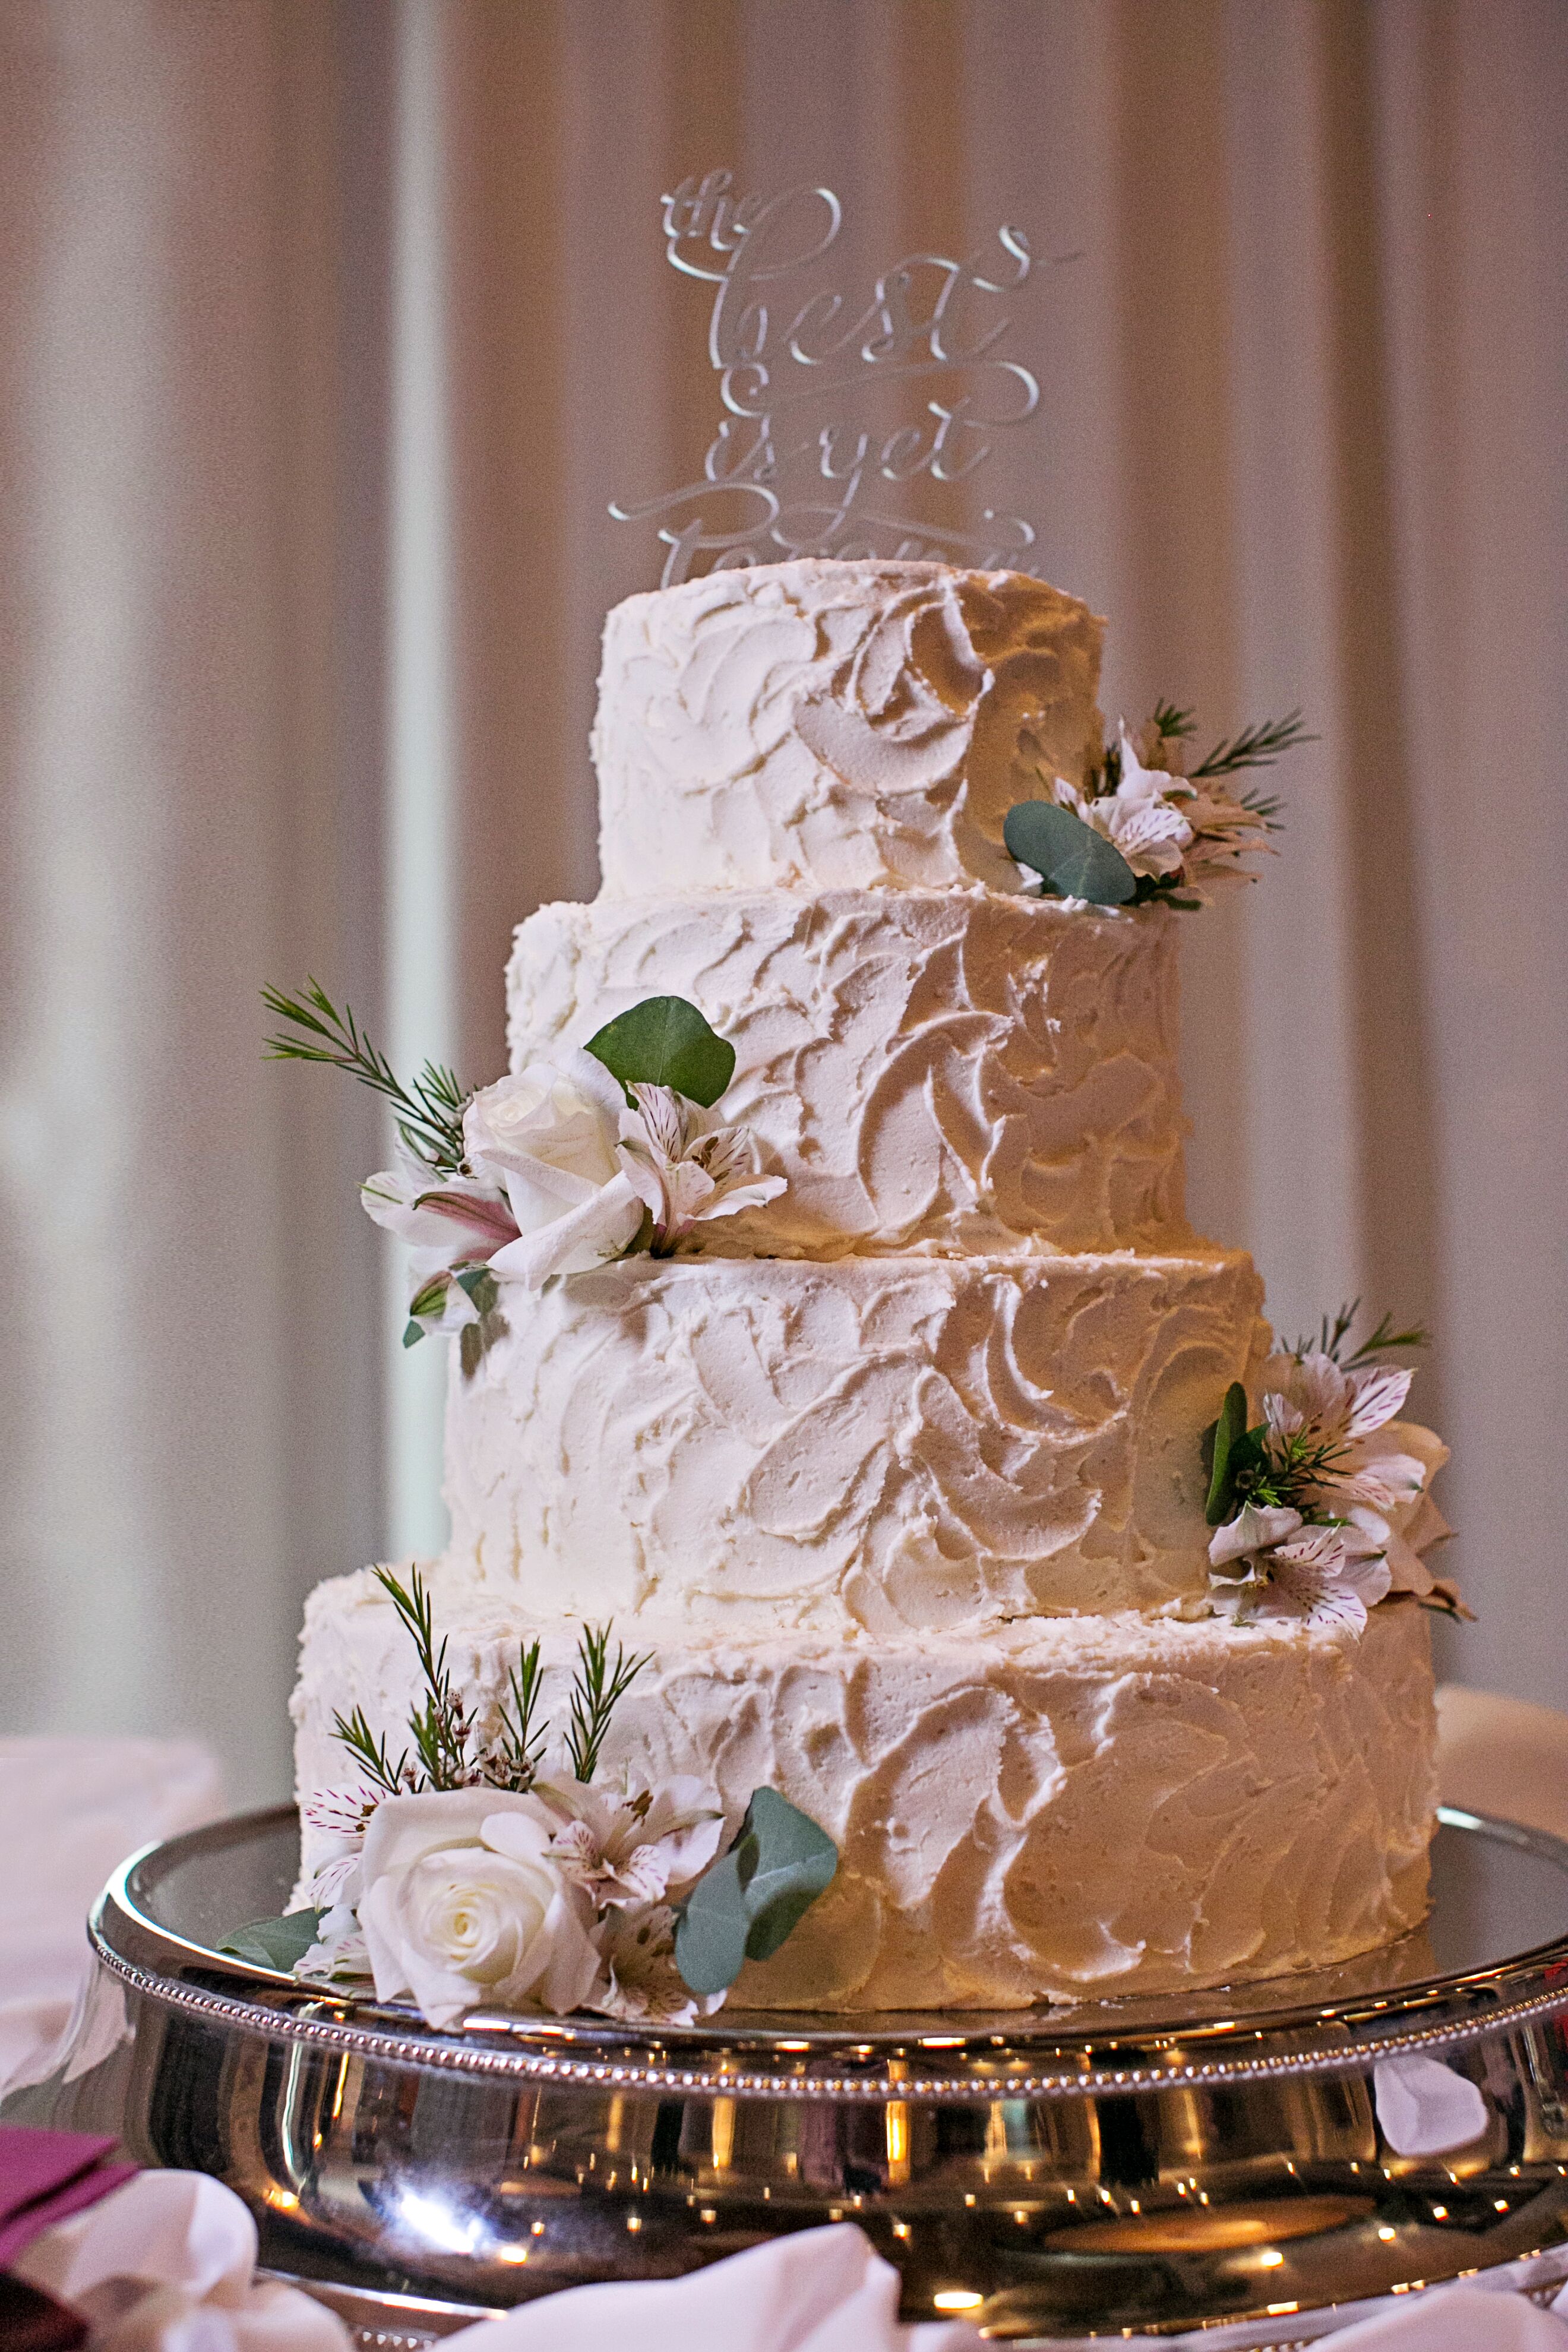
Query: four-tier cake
x=898 y=1472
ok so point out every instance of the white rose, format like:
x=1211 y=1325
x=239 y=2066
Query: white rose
x=463 y=1907
x=549 y=1137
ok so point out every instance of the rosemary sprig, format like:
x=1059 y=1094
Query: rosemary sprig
x=1255 y=747
x=1173 y=724
x=393 y=1779
x=439 y=1729
x=1334 y=1331
x=429 y=1115
x=446 y=1754
x=513 y=1762
x=597 y=1689
x=1385 y=1339
x=1278 y=1473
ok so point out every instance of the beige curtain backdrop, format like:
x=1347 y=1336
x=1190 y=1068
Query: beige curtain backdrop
x=329 y=329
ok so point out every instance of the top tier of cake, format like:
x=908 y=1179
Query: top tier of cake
x=818 y=726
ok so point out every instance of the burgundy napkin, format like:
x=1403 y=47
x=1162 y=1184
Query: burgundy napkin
x=46 y=2175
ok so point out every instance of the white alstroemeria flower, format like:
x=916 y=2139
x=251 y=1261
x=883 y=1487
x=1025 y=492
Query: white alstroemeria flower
x=1412 y=1525
x=464 y=1906
x=1223 y=832
x=645 y=1986
x=1137 y=818
x=340 y=1950
x=1329 y=1575
x=685 y=1167
x=1373 y=1458
x=549 y=1138
x=446 y=1220
x=342 y=1816
x=629 y=1846
x=1255 y=1528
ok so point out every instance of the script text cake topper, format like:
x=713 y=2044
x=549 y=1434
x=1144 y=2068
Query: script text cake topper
x=796 y=467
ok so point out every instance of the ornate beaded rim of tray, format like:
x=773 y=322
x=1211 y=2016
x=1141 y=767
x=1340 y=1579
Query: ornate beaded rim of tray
x=1250 y=2161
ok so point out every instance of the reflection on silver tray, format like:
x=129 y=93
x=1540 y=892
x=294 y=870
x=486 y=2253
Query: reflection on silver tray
x=1155 y=2165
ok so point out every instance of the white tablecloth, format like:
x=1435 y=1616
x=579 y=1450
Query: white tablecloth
x=70 y=1811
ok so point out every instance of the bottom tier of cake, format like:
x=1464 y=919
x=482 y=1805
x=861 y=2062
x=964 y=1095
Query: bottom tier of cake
x=1068 y=1808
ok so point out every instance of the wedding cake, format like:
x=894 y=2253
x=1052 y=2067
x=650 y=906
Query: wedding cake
x=874 y=1418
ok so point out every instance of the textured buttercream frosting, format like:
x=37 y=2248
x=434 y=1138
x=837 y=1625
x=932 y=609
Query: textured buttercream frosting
x=817 y=725
x=866 y=1445
x=1062 y=1810
x=928 y=1069
x=899 y=1477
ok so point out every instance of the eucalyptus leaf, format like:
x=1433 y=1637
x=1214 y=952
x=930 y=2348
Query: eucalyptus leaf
x=795 y=1863
x=711 y=1929
x=1220 y=1444
x=665 y=1042
x=1071 y=860
x=746 y=1904
x=276 y=1944
x=480 y=1286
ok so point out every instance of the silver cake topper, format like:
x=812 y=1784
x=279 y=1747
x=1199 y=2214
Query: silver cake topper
x=792 y=470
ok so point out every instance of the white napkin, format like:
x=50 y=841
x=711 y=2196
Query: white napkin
x=818 y=2291
x=70 y=1810
x=1456 y=2319
x=167 y=2264
x=1425 y=2109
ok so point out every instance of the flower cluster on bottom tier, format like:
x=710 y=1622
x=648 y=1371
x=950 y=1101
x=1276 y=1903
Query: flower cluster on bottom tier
x=1063 y=1808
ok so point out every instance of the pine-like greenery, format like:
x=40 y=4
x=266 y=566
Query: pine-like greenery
x=430 y=1114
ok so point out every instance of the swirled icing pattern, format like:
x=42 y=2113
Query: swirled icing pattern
x=900 y=1478
x=817 y=725
x=868 y=1446
x=1093 y=1808
x=930 y=1070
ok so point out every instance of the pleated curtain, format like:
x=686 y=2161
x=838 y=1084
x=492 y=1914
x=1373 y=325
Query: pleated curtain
x=330 y=330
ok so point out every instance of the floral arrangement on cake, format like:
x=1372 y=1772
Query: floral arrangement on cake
x=587 y=1154
x=1323 y=1507
x=463 y=1874
x=1142 y=829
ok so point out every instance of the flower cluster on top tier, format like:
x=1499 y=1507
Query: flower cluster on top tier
x=1140 y=830
x=1323 y=1508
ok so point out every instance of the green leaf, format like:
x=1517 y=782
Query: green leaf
x=1220 y=1445
x=665 y=1042
x=795 y=1863
x=746 y=1904
x=1071 y=860
x=412 y=1334
x=481 y=1288
x=711 y=1930
x=276 y=1944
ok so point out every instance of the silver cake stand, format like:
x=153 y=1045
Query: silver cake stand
x=1217 y=2161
